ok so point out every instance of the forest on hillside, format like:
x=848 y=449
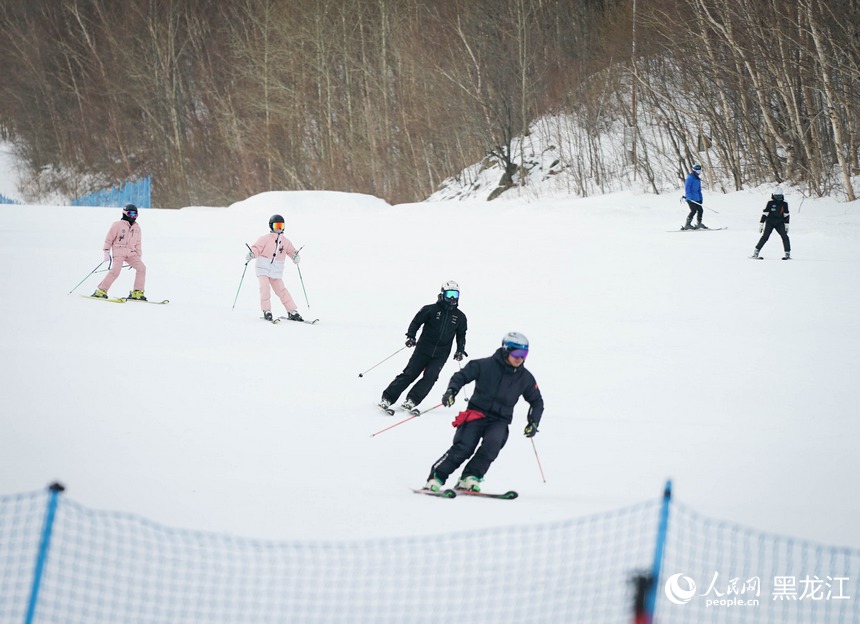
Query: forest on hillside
x=218 y=101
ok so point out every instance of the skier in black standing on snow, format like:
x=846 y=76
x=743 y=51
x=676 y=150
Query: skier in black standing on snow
x=443 y=321
x=500 y=381
x=774 y=217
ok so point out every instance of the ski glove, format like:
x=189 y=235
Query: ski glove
x=249 y=256
x=296 y=258
x=448 y=397
x=760 y=228
x=530 y=430
x=107 y=255
x=410 y=341
x=459 y=355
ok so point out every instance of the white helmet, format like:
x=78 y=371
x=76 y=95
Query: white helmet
x=777 y=194
x=450 y=293
x=515 y=340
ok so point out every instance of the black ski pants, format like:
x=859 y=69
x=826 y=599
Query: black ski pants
x=780 y=229
x=431 y=365
x=696 y=210
x=494 y=434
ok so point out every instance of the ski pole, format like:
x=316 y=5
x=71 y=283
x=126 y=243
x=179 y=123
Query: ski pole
x=538 y=460
x=236 y=298
x=85 y=279
x=693 y=201
x=394 y=425
x=378 y=363
x=464 y=392
x=303 y=281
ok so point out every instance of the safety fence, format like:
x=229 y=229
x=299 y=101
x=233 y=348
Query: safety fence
x=137 y=192
x=62 y=562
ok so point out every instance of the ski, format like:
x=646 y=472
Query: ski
x=510 y=495
x=756 y=258
x=439 y=494
x=413 y=412
x=274 y=321
x=162 y=302
x=286 y=318
x=120 y=300
x=786 y=258
x=698 y=229
x=387 y=410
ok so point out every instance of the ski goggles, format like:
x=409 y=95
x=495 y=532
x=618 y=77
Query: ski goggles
x=277 y=227
x=452 y=294
x=131 y=213
x=518 y=353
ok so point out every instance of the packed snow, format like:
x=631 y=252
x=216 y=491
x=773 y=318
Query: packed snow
x=660 y=354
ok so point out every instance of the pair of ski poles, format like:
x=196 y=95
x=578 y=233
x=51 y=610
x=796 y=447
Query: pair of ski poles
x=406 y=420
x=301 y=279
x=95 y=270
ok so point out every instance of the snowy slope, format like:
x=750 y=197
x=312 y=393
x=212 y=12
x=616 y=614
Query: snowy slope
x=660 y=355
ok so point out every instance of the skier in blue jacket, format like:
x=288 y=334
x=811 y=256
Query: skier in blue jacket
x=693 y=195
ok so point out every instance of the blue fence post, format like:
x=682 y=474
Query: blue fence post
x=44 y=546
x=662 y=529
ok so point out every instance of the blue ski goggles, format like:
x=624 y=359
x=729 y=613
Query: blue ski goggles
x=518 y=353
x=452 y=294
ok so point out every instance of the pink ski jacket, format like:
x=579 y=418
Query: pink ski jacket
x=271 y=251
x=123 y=239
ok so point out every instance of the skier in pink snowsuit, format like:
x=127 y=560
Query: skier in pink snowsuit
x=271 y=251
x=124 y=240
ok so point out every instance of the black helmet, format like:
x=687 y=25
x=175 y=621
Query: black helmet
x=450 y=293
x=276 y=219
x=129 y=212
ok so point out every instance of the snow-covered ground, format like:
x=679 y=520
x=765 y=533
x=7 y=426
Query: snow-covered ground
x=660 y=355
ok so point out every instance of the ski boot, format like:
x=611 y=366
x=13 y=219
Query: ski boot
x=101 y=294
x=267 y=314
x=294 y=316
x=470 y=483
x=433 y=484
x=755 y=255
x=701 y=226
x=408 y=405
x=787 y=256
x=384 y=403
x=137 y=295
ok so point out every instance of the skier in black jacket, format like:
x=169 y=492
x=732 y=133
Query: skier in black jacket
x=500 y=381
x=774 y=217
x=442 y=321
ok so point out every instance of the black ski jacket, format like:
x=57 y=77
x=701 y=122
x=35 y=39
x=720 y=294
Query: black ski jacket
x=442 y=323
x=498 y=387
x=775 y=212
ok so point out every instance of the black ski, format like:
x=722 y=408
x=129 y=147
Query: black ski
x=756 y=258
x=286 y=318
x=413 y=412
x=698 y=229
x=439 y=494
x=510 y=495
x=387 y=410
